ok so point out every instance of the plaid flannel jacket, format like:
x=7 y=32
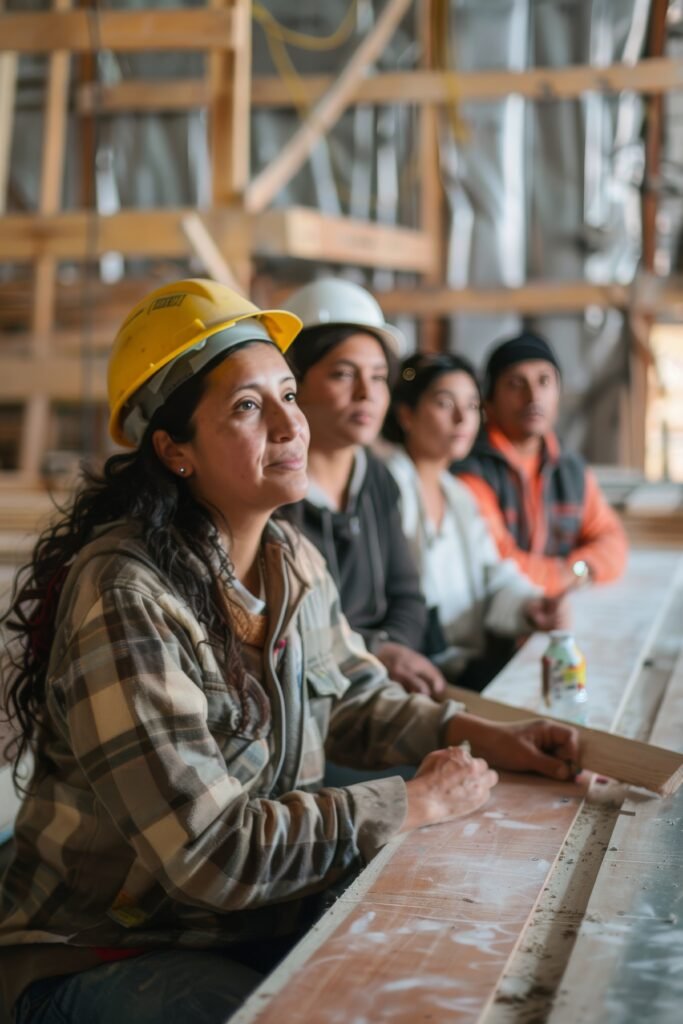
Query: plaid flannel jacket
x=159 y=818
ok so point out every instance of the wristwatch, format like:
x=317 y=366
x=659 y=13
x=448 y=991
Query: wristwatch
x=581 y=572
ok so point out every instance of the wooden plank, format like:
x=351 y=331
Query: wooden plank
x=229 y=109
x=273 y=178
x=433 y=218
x=425 y=934
x=308 y=234
x=292 y=231
x=37 y=411
x=205 y=249
x=130 y=232
x=534 y=297
x=64 y=342
x=617 y=757
x=629 y=950
x=137 y=95
x=624 y=617
x=400 y=87
x=399 y=935
x=650 y=76
x=8 y=84
x=58 y=378
x=122 y=31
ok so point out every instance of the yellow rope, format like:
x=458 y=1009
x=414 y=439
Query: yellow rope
x=303 y=40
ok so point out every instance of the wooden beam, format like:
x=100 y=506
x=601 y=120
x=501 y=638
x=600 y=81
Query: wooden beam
x=138 y=94
x=122 y=31
x=67 y=235
x=629 y=761
x=15 y=344
x=273 y=178
x=205 y=249
x=432 y=205
x=641 y=871
x=425 y=931
x=61 y=378
x=633 y=419
x=536 y=297
x=229 y=84
x=310 y=235
x=37 y=410
x=650 y=76
x=8 y=84
x=292 y=231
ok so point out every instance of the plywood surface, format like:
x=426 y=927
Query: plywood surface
x=628 y=960
x=445 y=925
x=618 y=757
x=615 y=626
x=430 y=935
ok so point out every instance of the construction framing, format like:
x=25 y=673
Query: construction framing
x=240 y=225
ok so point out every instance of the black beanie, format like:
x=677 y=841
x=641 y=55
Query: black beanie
x=520 y=349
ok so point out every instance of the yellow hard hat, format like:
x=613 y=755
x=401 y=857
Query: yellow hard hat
x=170 y=322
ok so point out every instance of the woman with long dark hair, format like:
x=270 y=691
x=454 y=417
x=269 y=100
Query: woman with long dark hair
x=479 y=604
x=179 y=663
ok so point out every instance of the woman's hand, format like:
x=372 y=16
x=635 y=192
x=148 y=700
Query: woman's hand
x=537 y=745
x=411 y=670
x=546 y=613
x=449 y=784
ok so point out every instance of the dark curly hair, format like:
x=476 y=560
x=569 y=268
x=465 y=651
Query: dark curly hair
x=173 y=526
x=415 y=375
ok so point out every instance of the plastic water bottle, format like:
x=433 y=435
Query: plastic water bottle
x=564 y=678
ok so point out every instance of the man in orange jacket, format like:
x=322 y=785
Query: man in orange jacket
x=543 y=505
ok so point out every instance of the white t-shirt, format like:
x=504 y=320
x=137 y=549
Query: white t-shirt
x=461 y=573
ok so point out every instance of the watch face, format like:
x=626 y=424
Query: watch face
x=580 y=569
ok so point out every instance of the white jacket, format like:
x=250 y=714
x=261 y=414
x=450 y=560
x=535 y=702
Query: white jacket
x=461 y=572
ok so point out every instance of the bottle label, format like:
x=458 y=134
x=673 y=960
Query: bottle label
x=563 y=681
x=563 y=676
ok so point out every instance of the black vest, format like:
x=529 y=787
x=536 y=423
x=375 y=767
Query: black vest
x=564 y=488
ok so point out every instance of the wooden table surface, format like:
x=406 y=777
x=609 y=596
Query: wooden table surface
x=558 y=902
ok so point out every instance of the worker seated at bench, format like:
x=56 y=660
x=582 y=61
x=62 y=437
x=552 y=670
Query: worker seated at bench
x=543 y=505
x=342 y=360
x=180 y=665
x=475 y=597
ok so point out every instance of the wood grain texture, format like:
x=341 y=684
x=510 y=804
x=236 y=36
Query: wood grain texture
x=125 y=31
x=627 y=963
x=291 y=231
x=615 y=626
x=620 y=758
x=37 y=412
x=428 y=938
x=421 y=87
x=429 y=930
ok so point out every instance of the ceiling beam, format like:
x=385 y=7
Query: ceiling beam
x=650 y=76
x=293 y=231
x=85 y=31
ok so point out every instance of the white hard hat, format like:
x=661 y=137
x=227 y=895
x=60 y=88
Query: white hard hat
x=333 y=302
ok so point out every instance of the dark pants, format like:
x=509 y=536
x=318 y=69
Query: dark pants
x=168 y=987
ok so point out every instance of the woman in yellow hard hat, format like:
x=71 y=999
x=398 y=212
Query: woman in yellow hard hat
x=179 y=663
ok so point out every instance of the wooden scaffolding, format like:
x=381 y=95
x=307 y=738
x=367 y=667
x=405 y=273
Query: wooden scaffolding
x=48 y=356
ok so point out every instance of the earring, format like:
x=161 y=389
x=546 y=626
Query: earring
x=181 y=470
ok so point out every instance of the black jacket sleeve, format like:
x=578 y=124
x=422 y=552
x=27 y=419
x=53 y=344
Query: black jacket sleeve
x=405 y=619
